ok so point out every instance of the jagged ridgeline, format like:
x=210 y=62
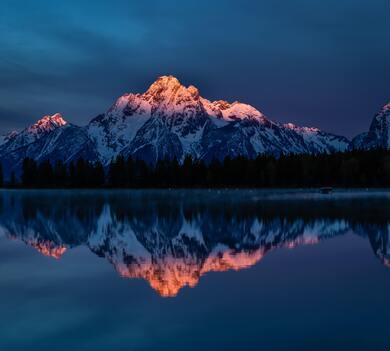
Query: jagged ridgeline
x=168 y=121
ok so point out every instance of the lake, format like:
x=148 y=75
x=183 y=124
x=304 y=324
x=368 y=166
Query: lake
x=194 y=270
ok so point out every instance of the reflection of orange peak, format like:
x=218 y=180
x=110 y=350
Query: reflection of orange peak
x=167 y=277
x=48 y=248
x=230 y=260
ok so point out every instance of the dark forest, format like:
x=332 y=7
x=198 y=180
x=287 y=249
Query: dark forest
x=349 y=169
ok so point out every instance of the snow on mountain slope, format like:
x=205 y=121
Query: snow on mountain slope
x=231 y=112
x=171 y=121
x=46 y=124
x=171 y=110
x=113 y=131
x=51 y=138
x=41 y=128
x=7 y=137
x=378 y=135
x=153 y=142
x=318 y=140
x=168 y=121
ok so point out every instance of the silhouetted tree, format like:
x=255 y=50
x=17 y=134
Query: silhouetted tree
x=45 y=176
x=97 y=175
x=117 y=172
x=349 y=169
x=60 y=174
x=13 y=181
x=29 y=173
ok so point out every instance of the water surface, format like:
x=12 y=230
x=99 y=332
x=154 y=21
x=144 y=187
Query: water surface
x=192 y=270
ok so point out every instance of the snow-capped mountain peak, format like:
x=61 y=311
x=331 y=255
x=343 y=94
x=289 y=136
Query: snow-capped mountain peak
x=47 y=123
x=240 y=111
x=168 y=121
x=34 y=132
x=378 y=136
x=386 y=108
x=383 y=114
x=168 y=96
x=167 y=85
x=51 y=137
x=230 y=112
x=294 y=127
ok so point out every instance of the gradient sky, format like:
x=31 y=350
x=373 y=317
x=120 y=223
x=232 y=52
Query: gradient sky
x=312 y=62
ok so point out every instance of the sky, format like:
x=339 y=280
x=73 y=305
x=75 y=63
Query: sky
x=311 y=62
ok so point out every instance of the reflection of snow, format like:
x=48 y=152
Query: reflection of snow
x=172 y=249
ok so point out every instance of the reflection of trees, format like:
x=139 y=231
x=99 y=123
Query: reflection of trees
x=172 y=238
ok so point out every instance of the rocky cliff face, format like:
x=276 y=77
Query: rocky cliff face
x=378 y=136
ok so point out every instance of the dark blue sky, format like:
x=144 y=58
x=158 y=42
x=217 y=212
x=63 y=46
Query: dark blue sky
x=311 y=62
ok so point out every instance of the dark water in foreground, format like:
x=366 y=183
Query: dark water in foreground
x=194 y=270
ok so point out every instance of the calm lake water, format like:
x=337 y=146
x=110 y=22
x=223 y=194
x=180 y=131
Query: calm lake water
x=194 y=270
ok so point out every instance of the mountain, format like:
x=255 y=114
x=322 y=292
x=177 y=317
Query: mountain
x=171 y=121
x=50 y=138
x=168 y=121
x=14 y=140
x=378 y=135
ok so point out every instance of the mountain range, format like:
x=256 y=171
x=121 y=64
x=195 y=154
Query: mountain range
x=172 y=121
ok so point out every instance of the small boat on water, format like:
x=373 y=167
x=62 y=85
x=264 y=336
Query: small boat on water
x=326 y=190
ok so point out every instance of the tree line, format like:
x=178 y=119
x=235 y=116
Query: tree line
x=348 y=169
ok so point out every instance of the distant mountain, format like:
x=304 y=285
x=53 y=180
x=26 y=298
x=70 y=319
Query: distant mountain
x=378 y=135
x=51 y=138
x=168 y=121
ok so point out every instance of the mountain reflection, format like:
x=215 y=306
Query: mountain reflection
x=171 y=239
